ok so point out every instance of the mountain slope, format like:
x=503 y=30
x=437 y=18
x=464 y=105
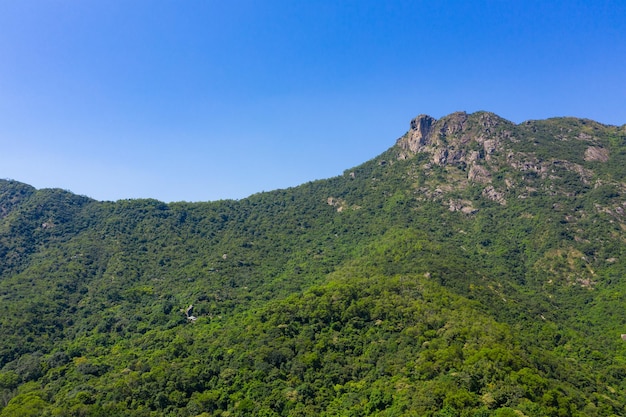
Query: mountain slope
x=474 y=268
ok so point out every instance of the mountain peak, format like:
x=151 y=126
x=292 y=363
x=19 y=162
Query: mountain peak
x=419 y=134
x=448 y=139
x=504 y=159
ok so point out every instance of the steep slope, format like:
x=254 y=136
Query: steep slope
x=474 y=268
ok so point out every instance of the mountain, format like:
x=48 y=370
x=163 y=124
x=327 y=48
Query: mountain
x=475 y=268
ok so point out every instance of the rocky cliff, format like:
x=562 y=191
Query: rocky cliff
x=509 y=160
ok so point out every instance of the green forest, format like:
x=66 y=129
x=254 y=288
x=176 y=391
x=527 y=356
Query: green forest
x=475 y=268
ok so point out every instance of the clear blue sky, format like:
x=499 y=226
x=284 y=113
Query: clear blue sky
x=202 y=100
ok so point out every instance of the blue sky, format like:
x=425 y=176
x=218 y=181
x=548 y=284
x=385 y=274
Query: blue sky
x=201 y=100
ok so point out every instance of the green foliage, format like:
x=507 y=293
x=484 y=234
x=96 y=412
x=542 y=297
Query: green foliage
x=365 y=294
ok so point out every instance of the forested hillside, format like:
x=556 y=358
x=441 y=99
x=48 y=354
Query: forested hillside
x=475 y=268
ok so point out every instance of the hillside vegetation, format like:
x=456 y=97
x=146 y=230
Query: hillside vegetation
x=475 y=268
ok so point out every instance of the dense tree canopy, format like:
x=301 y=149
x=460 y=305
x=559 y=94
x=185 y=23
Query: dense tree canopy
x=474 y=269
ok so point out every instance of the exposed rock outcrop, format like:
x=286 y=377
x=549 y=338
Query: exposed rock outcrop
x=478 y=173
x=506 y=160
x=418 y=136
x=594 y=153
x=448 y=140
x=491 y=193
x=464 y=206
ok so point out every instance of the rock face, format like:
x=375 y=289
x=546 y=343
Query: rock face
x=504 y=159
x=494 y=195
x=478 y=173
x=418 y=135
x=447 y=140
x=594 y=153
x=459 y=140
